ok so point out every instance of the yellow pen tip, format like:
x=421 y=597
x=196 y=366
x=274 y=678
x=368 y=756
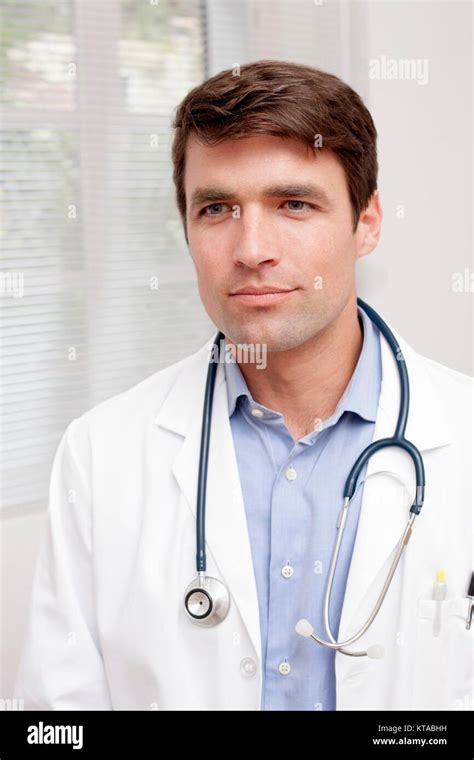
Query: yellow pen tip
x=440 y=576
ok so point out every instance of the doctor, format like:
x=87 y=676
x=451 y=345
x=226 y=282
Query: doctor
x=275 y=171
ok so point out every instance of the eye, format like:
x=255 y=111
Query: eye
x=214 y=206
x=303 y=203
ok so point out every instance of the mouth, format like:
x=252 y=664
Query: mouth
x=261 y=296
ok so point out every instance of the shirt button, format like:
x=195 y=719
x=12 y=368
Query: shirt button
x=257 y=413
x=248 y=667
x=284 y=667
x=290 y=473
x=287 y=571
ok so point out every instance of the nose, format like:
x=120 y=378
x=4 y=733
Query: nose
x=255 y=244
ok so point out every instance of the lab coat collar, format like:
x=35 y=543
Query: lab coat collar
x=383 y=513
x=428 y=426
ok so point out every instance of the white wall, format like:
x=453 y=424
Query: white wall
x=425 y=147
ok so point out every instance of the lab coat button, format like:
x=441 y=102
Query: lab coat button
x=257 y=413
x=248 y=667
x=290 y=473
x=287 y=571
x=284 y=667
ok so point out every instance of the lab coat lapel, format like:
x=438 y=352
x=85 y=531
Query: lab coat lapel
x=227 y=538
x=385 y=502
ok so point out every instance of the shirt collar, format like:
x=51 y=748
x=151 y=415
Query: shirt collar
x=361 y=394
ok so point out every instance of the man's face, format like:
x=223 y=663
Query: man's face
x=270 y=214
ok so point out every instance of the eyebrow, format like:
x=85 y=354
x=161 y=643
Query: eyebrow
x=213 y=194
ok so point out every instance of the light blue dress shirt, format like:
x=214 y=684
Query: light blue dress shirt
x=293 y=492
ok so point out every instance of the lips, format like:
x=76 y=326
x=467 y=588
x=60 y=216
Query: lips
x=258 y=291
x=262 y=296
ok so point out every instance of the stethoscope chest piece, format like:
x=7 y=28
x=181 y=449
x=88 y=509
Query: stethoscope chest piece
x=206 y=601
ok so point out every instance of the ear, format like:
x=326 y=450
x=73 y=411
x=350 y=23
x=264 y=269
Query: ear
x=369 y=226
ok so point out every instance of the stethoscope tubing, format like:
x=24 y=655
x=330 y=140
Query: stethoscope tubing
x=201 y=559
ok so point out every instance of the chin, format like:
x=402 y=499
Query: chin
x=274 y=338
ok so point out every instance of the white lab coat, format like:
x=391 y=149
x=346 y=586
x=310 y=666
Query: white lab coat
x=107 y=626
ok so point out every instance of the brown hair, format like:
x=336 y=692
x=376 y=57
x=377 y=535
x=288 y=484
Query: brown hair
x=285 y=100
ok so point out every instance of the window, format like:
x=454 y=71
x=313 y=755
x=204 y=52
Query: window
x=97 y=286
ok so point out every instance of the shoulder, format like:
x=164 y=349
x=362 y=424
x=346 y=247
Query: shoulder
x=448 y=383
x=448 y=393
x=446 y=379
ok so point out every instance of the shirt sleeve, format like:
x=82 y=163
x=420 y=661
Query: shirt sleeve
x=61 y=665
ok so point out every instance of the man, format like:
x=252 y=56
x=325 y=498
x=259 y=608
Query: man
x=276 y=179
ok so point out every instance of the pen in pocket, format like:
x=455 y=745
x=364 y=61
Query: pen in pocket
x=470 y=596
x=439 y=595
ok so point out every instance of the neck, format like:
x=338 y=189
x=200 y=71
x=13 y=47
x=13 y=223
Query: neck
x=305 y=383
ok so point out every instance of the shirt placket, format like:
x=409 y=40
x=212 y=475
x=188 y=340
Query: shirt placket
x=283 y=569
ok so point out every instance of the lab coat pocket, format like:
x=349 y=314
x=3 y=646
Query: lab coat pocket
x=443 y=664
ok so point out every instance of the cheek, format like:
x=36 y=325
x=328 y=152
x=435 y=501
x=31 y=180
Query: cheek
x=334 y=247
x=211 y=253
x=323 y=252
x=328 y=261
x=212 y=273
x=201 y=251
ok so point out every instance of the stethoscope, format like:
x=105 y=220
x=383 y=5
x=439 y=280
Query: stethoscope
x=207 y=599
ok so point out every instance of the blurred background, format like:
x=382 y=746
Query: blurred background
x=97 y=286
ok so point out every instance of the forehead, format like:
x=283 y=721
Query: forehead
x=254 y=158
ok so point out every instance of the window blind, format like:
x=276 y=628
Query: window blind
x=98 y=289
